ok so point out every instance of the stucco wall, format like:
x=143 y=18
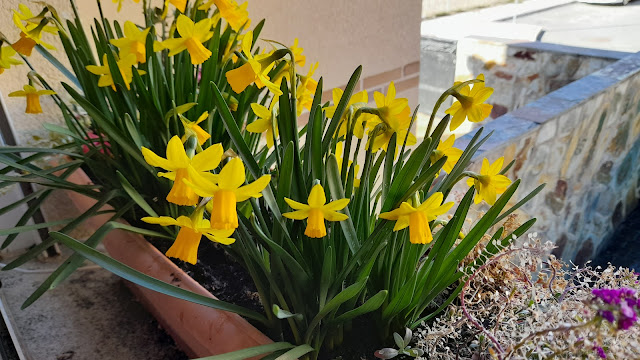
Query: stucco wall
x=583 y=141
x=339 y=34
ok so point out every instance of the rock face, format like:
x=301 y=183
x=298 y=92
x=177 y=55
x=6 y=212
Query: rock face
x=583 y=141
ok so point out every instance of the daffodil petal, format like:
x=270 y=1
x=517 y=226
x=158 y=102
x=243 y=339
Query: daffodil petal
x=296 y=205
x=162 y=220
x=253 y=189
x=232 y=175
x=208 y=159
x=317 y=197
x=297 y=215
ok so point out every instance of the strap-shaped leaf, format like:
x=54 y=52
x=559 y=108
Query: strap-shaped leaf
x=250 y=352
x=296 y=352
x=135 y=195
x=372 y=304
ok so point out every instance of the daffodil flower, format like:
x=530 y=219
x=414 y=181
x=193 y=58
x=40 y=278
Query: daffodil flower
x=306 y=90
x=193 y=35
x=192 y=128
x=185 y=247
x=445 y=148
x=394 y=116
x=297 y=53
x=133 y=42
x=236 y=16
x=119 y=2
x=33 y=98
x=33 y=21
x=264 y=123
x=317 y=211
x=125 y=66
x=339 y=159
x=489 y=183
x=7 y=59
x=469 y=104
x=256 y=69
x=226 y=191
x=418 y=218
x=180 y=167
x=357 y=100
x=30 y=34
x=181 y=5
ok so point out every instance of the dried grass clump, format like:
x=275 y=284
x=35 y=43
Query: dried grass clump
x=526 y=304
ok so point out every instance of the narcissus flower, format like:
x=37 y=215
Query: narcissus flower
x=33 y=98
x=445 y=148
x=193 y=35
x=133 y=42
x=235 y=15
x=181 y=5
x=256 y=69
x=7 y=59
x=192 y=128
x=180 y=167
x=119 y=2
x=264 y=123
x=418 y=218
x=125 y=66
x=306 y=90
x=394 y=117
x=357 y=100
x=317 y=211
x=227 y=190
x=185 y=247
x=31 y=33
x=297 y=53
x=469 y=104
x=489 y=183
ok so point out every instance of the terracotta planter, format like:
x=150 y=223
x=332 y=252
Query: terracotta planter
x=198 y=330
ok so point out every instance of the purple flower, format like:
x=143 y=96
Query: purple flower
x=600 y=352
x=613 y=296
x=627 y=316
x=607 y=315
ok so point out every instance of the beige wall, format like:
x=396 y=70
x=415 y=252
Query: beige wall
x=339 y=34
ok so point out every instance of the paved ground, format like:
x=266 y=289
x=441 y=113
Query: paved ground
x=624 y=247
x=607 y=27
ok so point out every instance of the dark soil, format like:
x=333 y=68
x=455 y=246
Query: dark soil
x=217 y=272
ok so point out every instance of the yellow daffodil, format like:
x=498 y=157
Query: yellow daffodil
x=489 y=183
x=340 y=158
x=119 y=2
x=297 y=53
x=180 y=167
x=33 y=21
x=235 y=15
x=226 y=191
x=394 y=117
x=306 y=90
x=317 y=211
x=192 y=128
x=357 y=100
x=7 y=59
x=185 y=247
x=181 y=5
x=469 y=104
x=125 y=66
x=193 y=35
x=417 y=219
x=264 y=123
x=33 y=98
x=445 y=148
x=31 y=33
x=256 y=69
x=133 y=42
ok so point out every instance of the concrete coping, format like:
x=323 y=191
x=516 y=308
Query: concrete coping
x=517 y=124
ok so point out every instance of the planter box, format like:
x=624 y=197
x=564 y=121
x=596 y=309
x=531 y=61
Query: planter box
x=198 y=330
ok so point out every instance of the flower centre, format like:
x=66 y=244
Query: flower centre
x=198 y=52
x=138 y=48
x=315 y=224
x=223 y=212
x=33 y=104
x=419 y=232
x=485 y=180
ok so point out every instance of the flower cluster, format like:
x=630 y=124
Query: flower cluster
x=617 y=306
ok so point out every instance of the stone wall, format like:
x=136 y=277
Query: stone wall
x=521 y=72
x=583 y=141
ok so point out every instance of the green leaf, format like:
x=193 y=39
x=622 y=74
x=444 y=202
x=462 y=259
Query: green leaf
x=58 y=65
x=250 y=352
x=296 y=352
x=337 y=190
x=342 y=106
x=148 y=282
x=524 y=200
x=284 y=314
x=372 y=304
x=179 y=110
x=135 y=195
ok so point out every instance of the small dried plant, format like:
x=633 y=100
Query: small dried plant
x=526 y=304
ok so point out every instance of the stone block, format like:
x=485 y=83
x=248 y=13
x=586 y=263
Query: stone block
x=583 y=89
x=546 y=132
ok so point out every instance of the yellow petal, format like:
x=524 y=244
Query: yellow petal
x=201 y=185
x=162 y=220
x=185 y=26
x=241 y=77
x=154 y=160
x=296 y=205
x=336 y=205
x=495 y=168
x=297 y=215
x=208 y=159
x=253 y=189
x=401 y=223
x=176 y=153
x=334 y=216
x=232 y=175
x=317 y=197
